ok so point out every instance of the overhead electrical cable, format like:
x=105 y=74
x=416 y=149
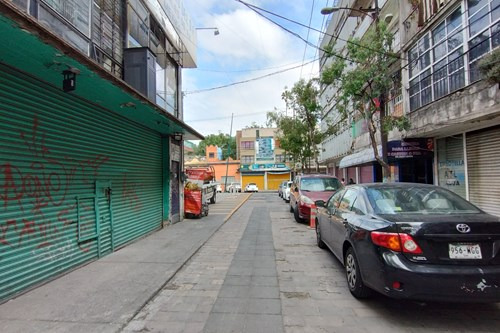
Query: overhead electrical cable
x=307 y=37
x=249 y=80
x=257 y=9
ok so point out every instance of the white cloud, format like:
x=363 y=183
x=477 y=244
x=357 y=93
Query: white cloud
x=246 y=41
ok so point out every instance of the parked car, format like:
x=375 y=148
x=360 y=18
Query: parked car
x=306 y=189
x=234 y=187
x=286 y=191
x=251 y=187
x=412 y=241
x=219 y=188
x=281 y=188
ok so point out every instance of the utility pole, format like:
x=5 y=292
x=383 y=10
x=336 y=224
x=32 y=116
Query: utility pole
x=228 y=151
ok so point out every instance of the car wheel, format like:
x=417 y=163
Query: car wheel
x=319 y=241
x=291 y=208
x=353 y=275
x=214 y=198
x=296 y=214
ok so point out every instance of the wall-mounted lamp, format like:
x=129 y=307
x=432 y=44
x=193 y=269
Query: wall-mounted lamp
x=216 y=30
x=69 y=79
x=177 y=136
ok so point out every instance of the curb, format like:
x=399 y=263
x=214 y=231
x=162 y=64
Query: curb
x=236 y=208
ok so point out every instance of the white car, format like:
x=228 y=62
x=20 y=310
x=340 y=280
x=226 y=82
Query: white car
x=251 y=187
x=286 y=191
x=219 y=188
x=234 y=187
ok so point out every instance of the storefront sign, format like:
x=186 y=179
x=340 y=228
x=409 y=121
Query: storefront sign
x=254 y=167
x=410 y=148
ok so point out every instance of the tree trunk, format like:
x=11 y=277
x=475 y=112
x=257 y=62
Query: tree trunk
x=386 y=170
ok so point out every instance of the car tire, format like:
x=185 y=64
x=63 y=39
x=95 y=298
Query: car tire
x=296 y=215
x=319 y=241
x=291 y=208
x=213 y=199
x=353 y=275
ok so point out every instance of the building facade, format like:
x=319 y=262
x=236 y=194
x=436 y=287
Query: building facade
x=262 y=161
x=91 y=131
x=226 y=171
x=454 y=113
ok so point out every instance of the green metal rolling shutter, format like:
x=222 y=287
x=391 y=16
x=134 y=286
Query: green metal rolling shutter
x=56 y=148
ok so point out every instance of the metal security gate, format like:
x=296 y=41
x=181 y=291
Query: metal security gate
x=76 y=181
x=483 y=166
x=275 y=179
x=252 y=178
x=366 y=174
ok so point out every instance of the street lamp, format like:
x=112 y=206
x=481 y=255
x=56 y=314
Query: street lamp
x=364 y=11
x=216 y=30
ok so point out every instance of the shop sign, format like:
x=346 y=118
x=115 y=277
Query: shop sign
x=410 y=148
x=253 y=167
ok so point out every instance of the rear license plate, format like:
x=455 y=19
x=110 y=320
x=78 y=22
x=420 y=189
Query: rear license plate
x=464 y=251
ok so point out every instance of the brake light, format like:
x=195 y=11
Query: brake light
x=396 y=242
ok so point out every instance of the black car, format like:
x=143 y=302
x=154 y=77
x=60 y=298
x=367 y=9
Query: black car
x=412 y=241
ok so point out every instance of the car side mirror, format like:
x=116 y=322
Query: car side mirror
x=319 y=203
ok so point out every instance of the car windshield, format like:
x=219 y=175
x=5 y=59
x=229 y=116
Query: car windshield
x=418 y=200
x=251 y=184
x=319 y=184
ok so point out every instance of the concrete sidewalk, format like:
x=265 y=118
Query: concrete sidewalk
x=106 y=294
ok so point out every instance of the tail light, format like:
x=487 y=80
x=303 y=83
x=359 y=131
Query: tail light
x=396 y=242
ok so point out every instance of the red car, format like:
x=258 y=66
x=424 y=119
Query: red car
x=306 y=189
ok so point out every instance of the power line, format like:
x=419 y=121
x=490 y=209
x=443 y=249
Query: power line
x=307 y=37
x=257 y=9
x=252 y=70
x=226 y=117
x=249 y=80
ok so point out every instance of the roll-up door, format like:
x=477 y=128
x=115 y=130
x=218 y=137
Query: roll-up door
x=77 y=181
x=483 y=168
x=275 y=179
x=252 y=178
x=351 y=173
x=366 y=174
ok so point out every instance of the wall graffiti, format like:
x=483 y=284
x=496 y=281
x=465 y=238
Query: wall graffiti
x=130 y=195
x=37 y=191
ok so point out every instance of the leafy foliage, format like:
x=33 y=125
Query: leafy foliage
x=362 y=79
x=299 y=134
x=490 y=66
x=220 y=140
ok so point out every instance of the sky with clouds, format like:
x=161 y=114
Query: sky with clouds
x=247 y=47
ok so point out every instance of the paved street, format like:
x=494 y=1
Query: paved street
x=230 y=285
x=258 y=272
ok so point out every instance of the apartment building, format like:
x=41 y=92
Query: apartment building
x=454 y=139
x=91 y=130
x=262 y=161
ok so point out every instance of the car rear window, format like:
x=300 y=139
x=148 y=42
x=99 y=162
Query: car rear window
x=418 y=200
x=319 y=184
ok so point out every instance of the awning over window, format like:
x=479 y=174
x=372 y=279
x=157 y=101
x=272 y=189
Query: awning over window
x=361 y=157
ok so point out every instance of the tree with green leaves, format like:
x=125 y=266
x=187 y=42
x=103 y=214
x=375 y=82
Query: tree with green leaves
x=220 y=140
x=299 y=134
x=361 y=77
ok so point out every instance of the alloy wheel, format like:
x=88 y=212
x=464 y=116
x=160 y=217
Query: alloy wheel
x=351 y=271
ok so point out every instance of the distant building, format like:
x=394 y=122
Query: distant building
x=262 y=160
x=226 y=171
